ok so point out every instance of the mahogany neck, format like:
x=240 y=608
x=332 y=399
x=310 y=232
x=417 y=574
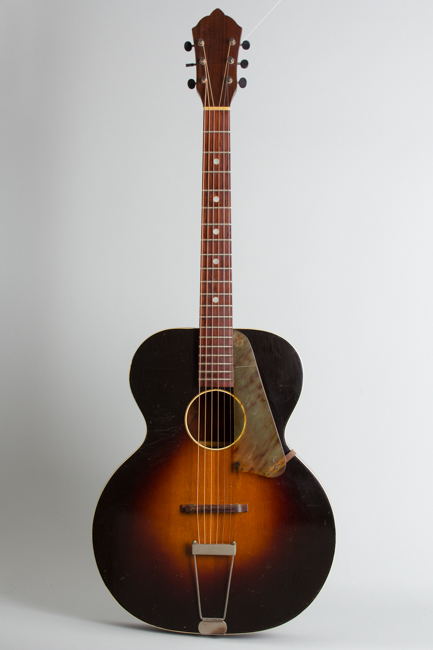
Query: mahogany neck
x=216 y=320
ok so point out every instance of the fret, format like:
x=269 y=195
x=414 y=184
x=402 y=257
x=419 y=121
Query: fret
x=215 y=189
x=218 y=207
x=220 y=152
x=217 y=253
x=219 y=346
x=218 y=337
x=216 y=381
x=216 y=131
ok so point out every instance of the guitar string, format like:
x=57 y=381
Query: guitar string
x=203 y=353
x=203 y=333
x=209 y=404
x=216 y=246
x=209 y=101
x=200 y=359
x=224 y=85
x=226 y=177
x=220 y=256
x=228 y=311
x=224 y=266
x=209 y=196
x=231 y=402
x=224 y=128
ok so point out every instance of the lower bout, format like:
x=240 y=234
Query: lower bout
x=148 y=564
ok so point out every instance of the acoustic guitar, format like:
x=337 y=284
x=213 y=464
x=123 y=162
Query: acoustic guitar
x=214 y=525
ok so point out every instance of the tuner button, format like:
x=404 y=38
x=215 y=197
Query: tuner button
x=242 y=82
x=244 y=64
x=191 y=84
x=188 y=46
x=246 y=45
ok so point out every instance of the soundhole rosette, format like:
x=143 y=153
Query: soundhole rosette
x=215 y=419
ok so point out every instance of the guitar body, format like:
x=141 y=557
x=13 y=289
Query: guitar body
x=143 y=540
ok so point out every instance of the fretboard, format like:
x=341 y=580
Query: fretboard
x=216 y=321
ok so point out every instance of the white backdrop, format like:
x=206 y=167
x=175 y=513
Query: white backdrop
x=332 y=163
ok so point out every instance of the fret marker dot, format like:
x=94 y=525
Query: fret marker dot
x=216 y=231
x=216 y=199
x=216 y=161
x=216 y=299
x=215 y=261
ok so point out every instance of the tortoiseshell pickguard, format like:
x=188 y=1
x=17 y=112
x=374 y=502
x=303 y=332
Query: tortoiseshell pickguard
x=259 y=449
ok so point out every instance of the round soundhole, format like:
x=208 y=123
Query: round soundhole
x=215 y=419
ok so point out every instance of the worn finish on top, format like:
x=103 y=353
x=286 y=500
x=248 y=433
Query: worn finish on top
x=259 y=450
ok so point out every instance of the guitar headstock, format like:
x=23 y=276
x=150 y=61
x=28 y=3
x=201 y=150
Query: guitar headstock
x=216 y=45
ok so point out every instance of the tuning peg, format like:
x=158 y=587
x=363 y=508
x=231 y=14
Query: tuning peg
x=188 y=46
x=243 y=64
x=242 y=82
x=190 y=65
x=246 y=45
x=191 y=84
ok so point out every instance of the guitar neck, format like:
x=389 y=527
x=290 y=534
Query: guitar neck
x=216 y=318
